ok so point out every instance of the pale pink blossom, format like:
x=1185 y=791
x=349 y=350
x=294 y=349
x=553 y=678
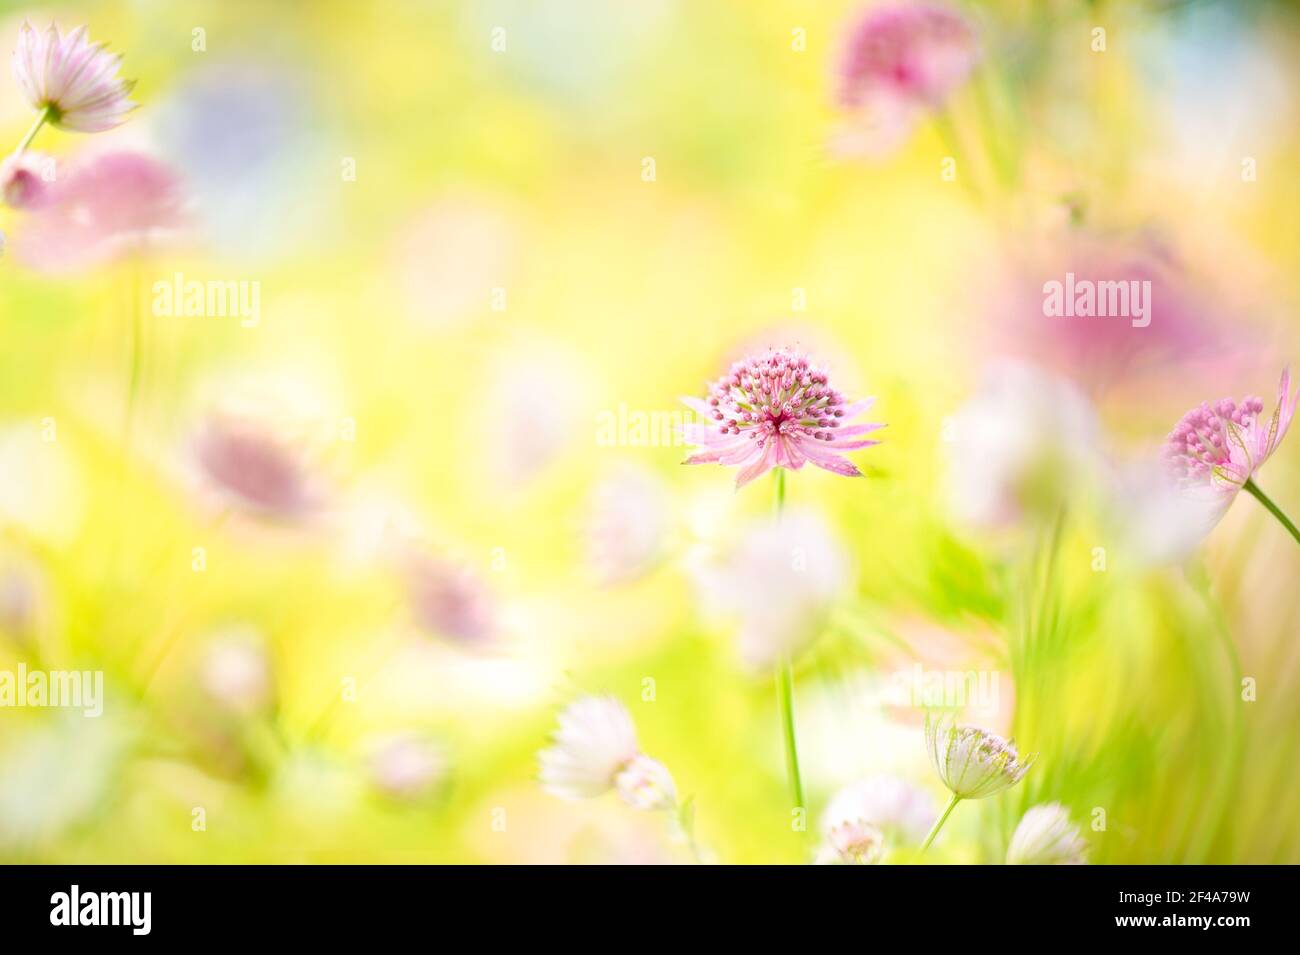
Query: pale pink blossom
x=1045 y=836
x=26 y=180
x=778 y=584
x=115 y=204
x=595 y=750
x=777 y=410
x=74 y=80
x=852 y=842
x=1216 y=448
x=627 y=525
x=236 y=673
x=894 y=806
x=898 y=61
x=254 y=466
x=406 y=766
x=449 y=600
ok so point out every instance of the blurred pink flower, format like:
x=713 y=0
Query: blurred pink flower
x=899 y=60
x=596 y=750
x=1178 y=325
x=776 y=410
x=448 y=600
x=236 y=673
x=250 y=464
x=852 y=842
x=1221 y=446
x=75 y=80
x=26 y=180
x=406 y=766
x=917 y=52
x=113 y=204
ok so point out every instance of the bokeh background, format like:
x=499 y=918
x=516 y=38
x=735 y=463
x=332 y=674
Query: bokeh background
x=480 y=232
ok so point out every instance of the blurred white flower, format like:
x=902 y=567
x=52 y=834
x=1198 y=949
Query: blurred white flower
x=1019 y=445
x=1046 y=836
x=406 y=766
x=235 y=672
x=898 y=808
x=595 y=750
x=627 y=525
x=1155 y=520
x=778 y=583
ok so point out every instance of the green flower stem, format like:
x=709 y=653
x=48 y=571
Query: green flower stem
x=1273 y=509
x=940 y=821
x=41 y=118
x=785 y=685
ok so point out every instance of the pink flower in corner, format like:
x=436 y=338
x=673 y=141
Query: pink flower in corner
x=777 y=410
x=75 y=80
x=1221 y=445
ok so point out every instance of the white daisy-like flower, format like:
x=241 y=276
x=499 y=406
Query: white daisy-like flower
x=973 y=763
x=595 y=750
x=1046 y=836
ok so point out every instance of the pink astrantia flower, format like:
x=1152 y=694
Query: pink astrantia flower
x=26 y=180
x=596 y=750
x=777 y=410
x=899 y=60
x=1219 y=446
x=116 y=203
x=75 y=80
x=918 y=52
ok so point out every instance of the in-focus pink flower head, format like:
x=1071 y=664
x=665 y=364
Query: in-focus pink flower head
x=595 y=750
x=114 y=204
x=27 y=180
x=773 y=410
x=75 y=80
x=898 y=60
x=1219 y=446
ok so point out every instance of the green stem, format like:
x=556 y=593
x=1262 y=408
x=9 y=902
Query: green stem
x=1273 y=509
x=41 y=117
x=785 y=683
x=940 y=821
